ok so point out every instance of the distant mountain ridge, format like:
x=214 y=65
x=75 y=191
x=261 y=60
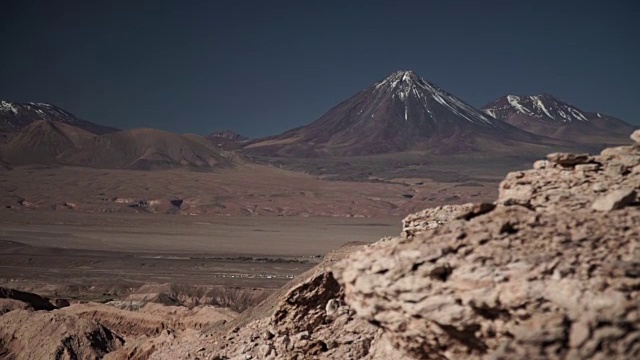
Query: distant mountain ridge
x=146 y=149
x=16 y=116
x=226 y=134
x=402 y=112
x=227 y=139
x=549 y=116
x=55 y=143
x=43 y=142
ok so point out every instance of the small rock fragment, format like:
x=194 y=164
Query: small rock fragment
x=540 y=164
x=569 y=159
x=587 y=167
x=615 y=200
x=476 y=210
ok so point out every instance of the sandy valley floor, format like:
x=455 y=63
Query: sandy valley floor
x=96 y=234
x=89 y=255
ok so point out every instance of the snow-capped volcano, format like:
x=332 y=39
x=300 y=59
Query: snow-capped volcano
x=401 y=112
x=16 y=116
x=549 y=116
x=412 y=91
x=539 y=106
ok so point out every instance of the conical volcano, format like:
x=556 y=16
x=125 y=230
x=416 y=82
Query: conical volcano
x=402 y=112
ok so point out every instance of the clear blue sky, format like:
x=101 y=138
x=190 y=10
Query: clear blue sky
x=261 y=67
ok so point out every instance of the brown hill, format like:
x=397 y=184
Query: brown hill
x=549 y=116
x=402 y=112
x=146 y=149
x=43 y=142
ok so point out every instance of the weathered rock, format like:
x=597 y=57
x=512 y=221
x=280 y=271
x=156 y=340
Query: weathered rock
x=569 y=159
x=615 y=200
x=511 y=278
x=53 y=335
x=34 y=301
x=544 y=189
x=432 y=218
x=551 y=279
x=636 y=136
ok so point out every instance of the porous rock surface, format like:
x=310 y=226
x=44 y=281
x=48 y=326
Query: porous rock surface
x=27 y=334
x=150 y=319
x=545 y=275
x=431 y=218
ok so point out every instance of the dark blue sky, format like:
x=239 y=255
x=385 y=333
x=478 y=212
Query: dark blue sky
x=261 y=67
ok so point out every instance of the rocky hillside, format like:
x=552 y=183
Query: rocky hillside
x=551 y=270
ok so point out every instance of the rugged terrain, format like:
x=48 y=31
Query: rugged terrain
x=549 y=116
x=550 y=270
x=245 y=189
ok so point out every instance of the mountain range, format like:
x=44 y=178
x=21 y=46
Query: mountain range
x=549 y=116
x=51 y=142
x=400 y=113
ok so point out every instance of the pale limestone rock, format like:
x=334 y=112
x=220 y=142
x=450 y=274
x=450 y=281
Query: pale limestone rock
x=615 y=200
x=635 y=136
x=550 y=279
x=569 y=159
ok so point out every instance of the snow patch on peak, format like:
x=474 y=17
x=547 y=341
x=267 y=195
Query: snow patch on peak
x=540 y=105
x=515 y=102
x=7 y=106
x=406 y=84
x=491 y=112
x=543 y=106
x=577 y=114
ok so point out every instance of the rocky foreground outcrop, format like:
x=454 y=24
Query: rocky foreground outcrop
x=553 y=272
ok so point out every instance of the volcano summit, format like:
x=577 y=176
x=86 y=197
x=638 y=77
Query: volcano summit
x=402 y=112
